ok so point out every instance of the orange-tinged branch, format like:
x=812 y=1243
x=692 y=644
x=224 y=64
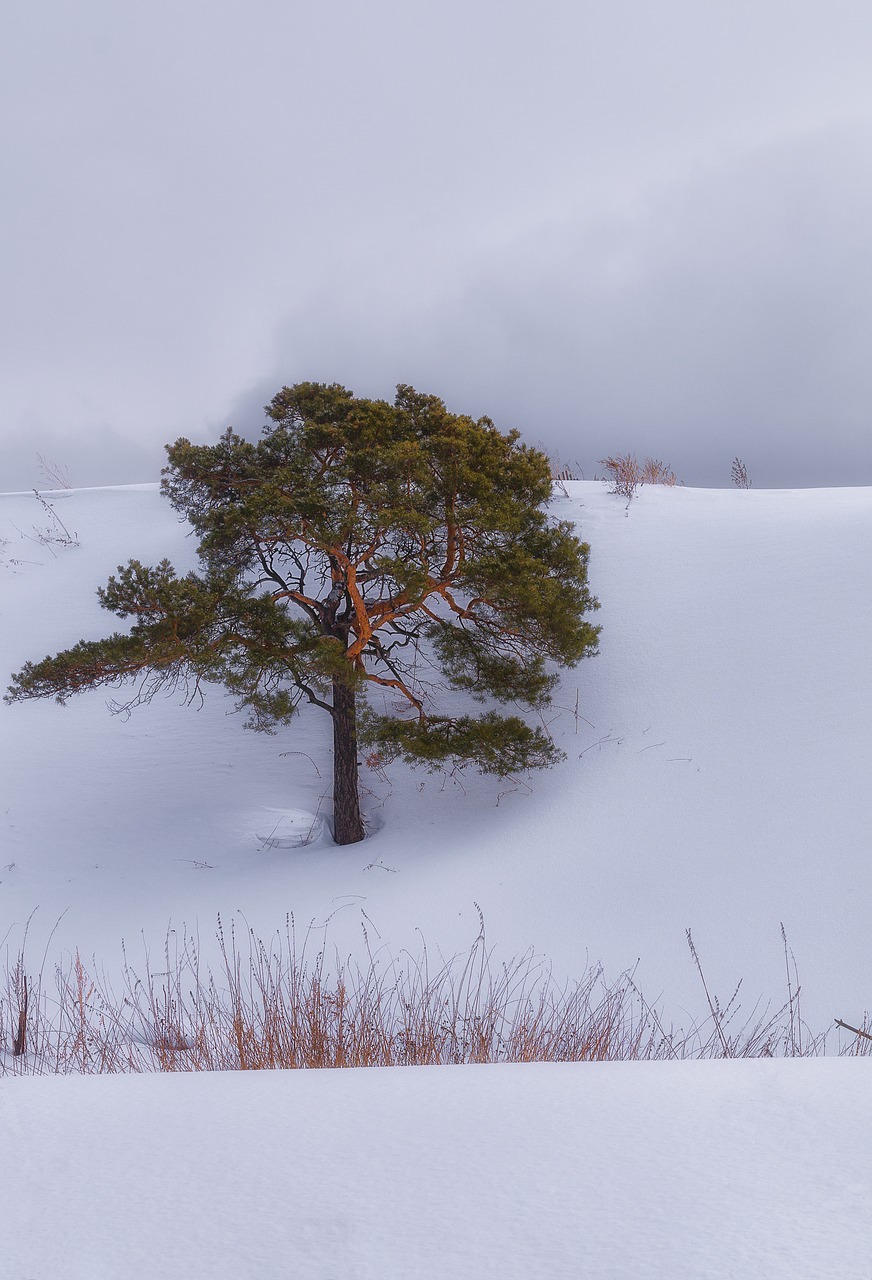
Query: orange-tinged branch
x=399 y=685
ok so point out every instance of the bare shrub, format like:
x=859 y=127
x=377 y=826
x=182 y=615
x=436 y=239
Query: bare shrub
x=739 y=474
x=624 y=475
x=53 y=534
x=55 y=475
x=656 y=472
x=378 y=762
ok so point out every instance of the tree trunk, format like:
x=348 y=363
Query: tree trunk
x=347 y=822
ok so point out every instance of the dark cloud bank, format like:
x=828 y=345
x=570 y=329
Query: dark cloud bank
x=730 y=313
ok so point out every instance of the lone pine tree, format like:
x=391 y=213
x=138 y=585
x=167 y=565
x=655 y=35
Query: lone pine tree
x=358 y=545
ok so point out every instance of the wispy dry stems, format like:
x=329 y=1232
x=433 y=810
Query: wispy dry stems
x=625 y=473
x=656 y=472
x=58 y=476
x=277 y=1004
x=739 y=474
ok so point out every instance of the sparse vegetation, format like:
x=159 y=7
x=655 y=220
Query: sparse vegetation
x=739 y=474
x=656 y=472
x=625 y=473
x=54 y=533
x=273 y=1005
x=55 y=475
x=563 y=471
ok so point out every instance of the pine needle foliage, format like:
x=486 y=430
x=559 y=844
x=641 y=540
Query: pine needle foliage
x=358 y=545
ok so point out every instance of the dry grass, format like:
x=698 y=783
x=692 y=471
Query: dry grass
x=274 y=1005
x=739 y=474
x=625 y=473
x=656 y=472
x=55 y=475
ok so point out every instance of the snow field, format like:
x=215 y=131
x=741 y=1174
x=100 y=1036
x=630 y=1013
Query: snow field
x=716 y=779
x=674 y=1171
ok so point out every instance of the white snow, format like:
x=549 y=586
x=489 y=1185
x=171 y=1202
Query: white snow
x=620 y=1171
x=716 y=779
x=290 y=828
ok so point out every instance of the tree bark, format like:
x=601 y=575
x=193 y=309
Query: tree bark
x=347 y=822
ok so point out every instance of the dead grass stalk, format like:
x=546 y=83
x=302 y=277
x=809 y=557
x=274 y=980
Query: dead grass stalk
x=276 y=1003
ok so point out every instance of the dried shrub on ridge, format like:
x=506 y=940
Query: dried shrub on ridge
x=656 y=472
x=739 y=474
x=625 y=473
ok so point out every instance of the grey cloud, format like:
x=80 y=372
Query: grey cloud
x=583 y=219
x=726 y=313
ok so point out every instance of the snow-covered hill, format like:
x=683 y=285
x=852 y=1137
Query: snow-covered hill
x=718 y=752
x=716 y=779
x=595 y=1171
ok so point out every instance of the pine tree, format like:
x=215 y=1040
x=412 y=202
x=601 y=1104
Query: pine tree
x=358 y=545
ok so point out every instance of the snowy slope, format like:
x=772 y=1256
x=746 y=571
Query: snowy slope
x=618 y=1171
x=715 y=779
x=716 y=776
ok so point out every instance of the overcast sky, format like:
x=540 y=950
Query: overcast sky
x=619 y=225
